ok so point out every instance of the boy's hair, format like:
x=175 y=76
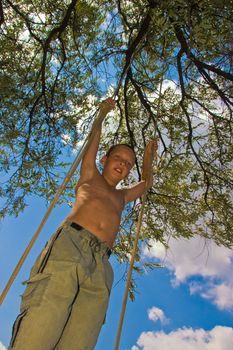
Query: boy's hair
x=119 y=144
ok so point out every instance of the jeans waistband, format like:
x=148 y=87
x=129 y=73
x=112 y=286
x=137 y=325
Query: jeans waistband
x=94 y=242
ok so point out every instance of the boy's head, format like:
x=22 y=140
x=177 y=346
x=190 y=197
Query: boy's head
x=119 y=160
x=111 y=149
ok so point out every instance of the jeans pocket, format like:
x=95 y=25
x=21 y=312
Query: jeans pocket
x=16 y=327
x=46 y=252
x=36 y=286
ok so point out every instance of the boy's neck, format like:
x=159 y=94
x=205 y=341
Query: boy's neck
x=111 y=182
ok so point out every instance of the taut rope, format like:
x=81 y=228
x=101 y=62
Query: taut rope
x=129 y=57
x=149 y=156
x=71 y=171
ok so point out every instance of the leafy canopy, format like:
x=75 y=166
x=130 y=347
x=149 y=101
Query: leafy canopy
x=58 y=58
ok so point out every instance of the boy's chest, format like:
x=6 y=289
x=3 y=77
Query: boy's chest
x=104 y=194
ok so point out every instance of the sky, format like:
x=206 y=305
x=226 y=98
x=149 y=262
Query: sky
x=186 y=304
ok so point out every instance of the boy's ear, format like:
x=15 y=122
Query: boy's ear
x=103 y=160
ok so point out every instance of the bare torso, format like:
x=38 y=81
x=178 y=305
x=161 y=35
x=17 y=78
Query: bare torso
x=98 y=208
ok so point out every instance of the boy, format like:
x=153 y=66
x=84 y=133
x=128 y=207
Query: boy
x=65 y=302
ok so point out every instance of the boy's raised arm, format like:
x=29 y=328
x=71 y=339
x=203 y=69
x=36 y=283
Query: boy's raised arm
x=146 y=183
x=88 y=166
x=134 y=192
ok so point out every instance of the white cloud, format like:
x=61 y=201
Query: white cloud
x=188 y=259
x=222 y=295
x=38 y=17
x=166 y=84
x=2 y=347
x=187 y=339
x=24 y=36
x=155 y=314
x=170 y=84
x=65 y=139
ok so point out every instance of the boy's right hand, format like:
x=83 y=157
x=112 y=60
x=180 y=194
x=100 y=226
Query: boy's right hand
x=107 y=105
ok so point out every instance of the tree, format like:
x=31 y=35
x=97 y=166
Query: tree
x=59 y=57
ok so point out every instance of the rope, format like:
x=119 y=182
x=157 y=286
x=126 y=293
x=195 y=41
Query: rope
x=71 y=171
x=134 y=251
x=129 y=57
x=147 y=165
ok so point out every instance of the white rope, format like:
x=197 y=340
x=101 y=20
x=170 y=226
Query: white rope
x=147 y=166
x=71 y=171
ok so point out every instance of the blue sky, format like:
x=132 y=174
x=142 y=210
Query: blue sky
x=186 y=305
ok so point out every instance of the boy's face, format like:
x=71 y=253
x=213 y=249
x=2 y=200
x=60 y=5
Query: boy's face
x=119 y=162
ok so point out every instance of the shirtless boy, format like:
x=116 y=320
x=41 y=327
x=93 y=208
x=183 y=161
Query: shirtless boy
x=65 y=302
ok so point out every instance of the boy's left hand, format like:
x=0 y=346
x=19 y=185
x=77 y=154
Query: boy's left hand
x=149 y=156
